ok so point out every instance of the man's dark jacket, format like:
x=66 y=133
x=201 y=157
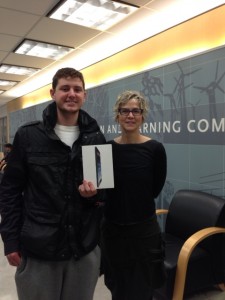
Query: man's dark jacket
x=42 y=212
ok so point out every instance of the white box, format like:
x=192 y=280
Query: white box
x=98 y=165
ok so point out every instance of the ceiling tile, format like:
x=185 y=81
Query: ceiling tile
x=27 y=61
x=101 y=46
x=139 y=16
x=22 y=23
x=102 y=37
x=13 y=77
x=31 y=6
x=162 y=4
x=8 y=42
x=138 y=2
x=62 y=33
x=3 y=54
x=26 y=19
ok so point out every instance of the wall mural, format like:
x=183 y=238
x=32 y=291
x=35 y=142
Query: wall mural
x=187 y=114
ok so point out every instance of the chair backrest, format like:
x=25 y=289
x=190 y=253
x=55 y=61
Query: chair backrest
x=192 y=210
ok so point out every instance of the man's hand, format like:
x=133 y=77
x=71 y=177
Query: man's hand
x=14 y=258
x=87 y=189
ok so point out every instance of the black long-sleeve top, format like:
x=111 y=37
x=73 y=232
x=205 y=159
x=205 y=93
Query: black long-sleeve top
x=139 y=176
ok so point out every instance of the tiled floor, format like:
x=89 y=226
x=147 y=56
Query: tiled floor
x=8 y=290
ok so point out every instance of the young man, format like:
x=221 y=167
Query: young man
x=4 y=160
x=51 y=232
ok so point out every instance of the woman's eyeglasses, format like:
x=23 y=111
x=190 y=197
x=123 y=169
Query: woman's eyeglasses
x=134 y=111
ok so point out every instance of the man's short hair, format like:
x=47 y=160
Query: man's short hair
x=67 y=72
x=8 y=145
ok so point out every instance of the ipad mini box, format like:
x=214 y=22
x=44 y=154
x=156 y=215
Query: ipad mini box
x=98 y=165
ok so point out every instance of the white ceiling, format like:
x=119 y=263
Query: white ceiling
x=20 y=19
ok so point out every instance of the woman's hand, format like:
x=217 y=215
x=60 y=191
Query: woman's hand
x=87 y=189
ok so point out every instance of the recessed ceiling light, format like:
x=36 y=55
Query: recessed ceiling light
x=97 y=14
x=18 y=70
x=42 y=49
x=7 y=82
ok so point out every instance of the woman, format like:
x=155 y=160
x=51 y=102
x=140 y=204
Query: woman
x=132 y=246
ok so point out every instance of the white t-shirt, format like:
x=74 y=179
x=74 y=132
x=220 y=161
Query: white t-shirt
x=67 y=134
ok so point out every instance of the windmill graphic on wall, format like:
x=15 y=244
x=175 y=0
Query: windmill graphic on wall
x=180 y=90
x=210 y=90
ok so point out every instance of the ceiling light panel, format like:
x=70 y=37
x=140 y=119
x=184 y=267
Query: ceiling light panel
x=41 y=49
x=96 y=14
x=18 y=70
x=5 y=83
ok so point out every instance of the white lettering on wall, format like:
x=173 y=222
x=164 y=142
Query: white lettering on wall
x=192 y=126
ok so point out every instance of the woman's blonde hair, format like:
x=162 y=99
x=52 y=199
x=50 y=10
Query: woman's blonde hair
x=126 y=96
